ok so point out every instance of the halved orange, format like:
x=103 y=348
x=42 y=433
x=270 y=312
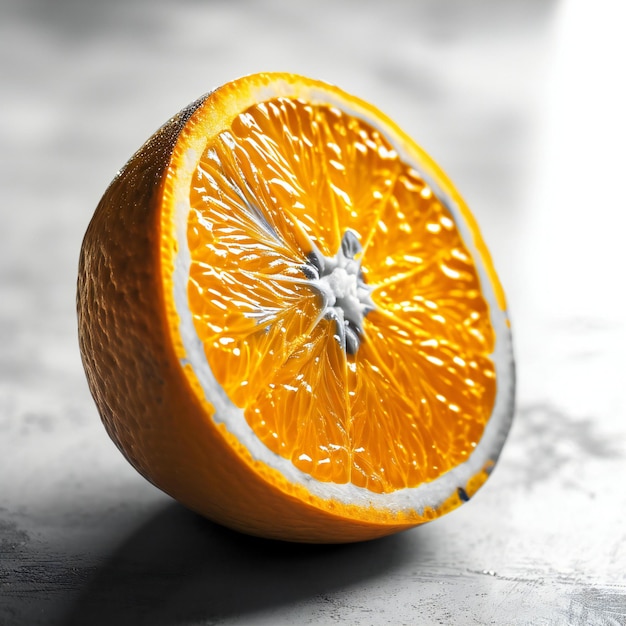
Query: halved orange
x=289 y=321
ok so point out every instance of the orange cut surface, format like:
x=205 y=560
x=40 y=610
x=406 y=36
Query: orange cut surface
x=289 y=321
x=288 y=178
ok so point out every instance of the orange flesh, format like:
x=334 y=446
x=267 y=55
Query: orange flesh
x=412 y=401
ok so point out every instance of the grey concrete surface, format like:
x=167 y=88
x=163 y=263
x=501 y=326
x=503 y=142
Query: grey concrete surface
x=522 y=103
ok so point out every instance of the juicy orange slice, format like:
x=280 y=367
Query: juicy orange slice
x=289 y=320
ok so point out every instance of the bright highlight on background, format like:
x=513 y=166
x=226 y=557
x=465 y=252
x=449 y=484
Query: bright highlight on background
x=578 y=214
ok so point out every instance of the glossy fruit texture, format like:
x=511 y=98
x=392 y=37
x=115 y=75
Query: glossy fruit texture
x=289 y=322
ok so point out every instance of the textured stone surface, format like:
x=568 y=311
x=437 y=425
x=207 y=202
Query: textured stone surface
x=520 y=103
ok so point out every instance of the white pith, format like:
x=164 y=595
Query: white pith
x=345 y=296
x=347 y=299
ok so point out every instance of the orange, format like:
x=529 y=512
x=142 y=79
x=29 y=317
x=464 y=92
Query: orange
x=289 y=321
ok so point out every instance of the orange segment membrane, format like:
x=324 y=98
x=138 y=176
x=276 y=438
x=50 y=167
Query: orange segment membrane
x=271 y=202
